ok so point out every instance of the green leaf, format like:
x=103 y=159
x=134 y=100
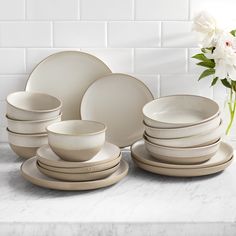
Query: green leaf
x=233 y=85
x=200 y=57
x=207 y=50
x=206 y=73
x=226 y=83
x=233 y=32
x=214 y=81
x=208 y=64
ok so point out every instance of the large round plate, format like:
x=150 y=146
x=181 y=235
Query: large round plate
x=140 y=153
x=109 y=152
x=184 y=172
x=32 y=174
x=117 y=101
x=66 y=75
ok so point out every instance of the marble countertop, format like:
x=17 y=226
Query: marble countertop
x=141 y=204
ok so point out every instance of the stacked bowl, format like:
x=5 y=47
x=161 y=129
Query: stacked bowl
x=77 y=151
x=28 y=115
x=181 y=130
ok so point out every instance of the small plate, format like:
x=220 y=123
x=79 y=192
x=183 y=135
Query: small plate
x=184 y=172
x=117 y=101
x=79 y=176
x=30 y=172
x=85 y=169
x=140 y=153
x=108 y=153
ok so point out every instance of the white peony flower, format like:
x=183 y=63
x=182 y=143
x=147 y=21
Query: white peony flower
x=206 y=27
x=224 y=56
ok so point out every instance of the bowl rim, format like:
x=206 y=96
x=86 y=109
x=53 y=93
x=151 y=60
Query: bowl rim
x=76 y=135
x=33 y=121
x=184 y=124
x=182 y=149
x=32 y=110
x=27 y=135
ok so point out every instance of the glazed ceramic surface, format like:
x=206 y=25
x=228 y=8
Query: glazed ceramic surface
x=201 y=139
x=184 y=172
x=108 y=153
x=77 y=170
x=67 y=75
x=31 y=173
x=31 y=127
x=140 y=153
x=32 y=106
x=182 y=155
x=76 y=140
x=78 y=176
x=179 y=111
x=168 y=133
x=117 y=100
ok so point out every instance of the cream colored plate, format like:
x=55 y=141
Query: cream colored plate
x=78 y=177
x=140 y=153
x=88 y=169
x=117 y=101
x=67 y=75
x=32 y=174
x=184 y=172
x=108 y=153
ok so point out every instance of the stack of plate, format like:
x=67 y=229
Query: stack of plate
x=182 y=137
x=77 y=158
x=28 y=115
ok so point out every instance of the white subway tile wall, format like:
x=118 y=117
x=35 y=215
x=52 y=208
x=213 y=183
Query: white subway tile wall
x=149 y=39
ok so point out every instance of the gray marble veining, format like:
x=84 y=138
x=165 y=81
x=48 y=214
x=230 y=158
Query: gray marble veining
x=141 y=204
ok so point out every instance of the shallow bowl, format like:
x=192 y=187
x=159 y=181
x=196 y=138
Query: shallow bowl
x=32 y=106
x=179 y=111
x=76 y=140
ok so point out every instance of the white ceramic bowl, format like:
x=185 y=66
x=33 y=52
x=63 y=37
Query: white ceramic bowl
x=32 y=106
x=174 y=133
x=182 y=155
x=179 y=111
x=31 y=127
x=76 y=140
x=26 y=145
x=202 y=139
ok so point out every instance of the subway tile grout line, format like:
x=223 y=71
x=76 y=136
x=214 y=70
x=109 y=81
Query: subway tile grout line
x=187 y=60
x=52 y=34
x=133 y=59
x=106 y=34
x=78 y=10
x=189 y=9
x=134 y=10
x=25 y=57
x=25 y=9
x=161 y=34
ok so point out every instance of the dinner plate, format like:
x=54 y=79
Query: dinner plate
x=78 y=176
x=184 y=172
x=108 y=153
x=88 y=169
x=66 y=75
x=32 y=174
x=117 y=101
x=140 y=153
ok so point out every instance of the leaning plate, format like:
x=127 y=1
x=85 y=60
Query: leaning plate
x=67 y=75
x=117 y=100
x=109 y=152
x=32 y=174
x=85 y=169
x=184 y=172
x=78 y=176
x=140 y=153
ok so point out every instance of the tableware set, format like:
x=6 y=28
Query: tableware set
x=183 y=134
x=28 y=115
x=101 y=113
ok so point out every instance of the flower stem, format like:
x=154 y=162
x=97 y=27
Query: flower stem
x=231 y=110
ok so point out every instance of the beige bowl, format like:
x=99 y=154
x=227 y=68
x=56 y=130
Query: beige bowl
x=25 y=145
x=202 y=139
x=30 y=127
x=179 y=111
x=76 y=140
x=173 y=133
x=32 y=106
x=182 y=155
